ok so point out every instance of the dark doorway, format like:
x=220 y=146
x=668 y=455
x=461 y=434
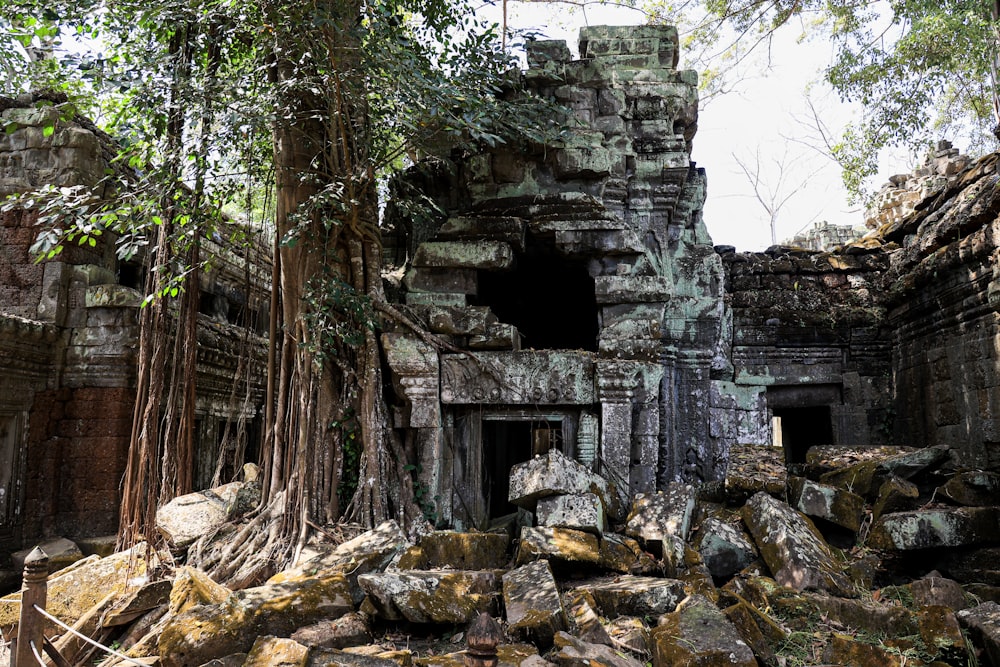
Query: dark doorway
x=507 y=443
x=548 y=297
x=802 y=428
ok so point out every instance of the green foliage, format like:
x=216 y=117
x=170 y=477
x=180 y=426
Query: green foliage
x=351 y=449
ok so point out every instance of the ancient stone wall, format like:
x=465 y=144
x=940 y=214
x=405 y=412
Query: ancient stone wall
x=69 y=336
x=806 y=343
x=942 y=293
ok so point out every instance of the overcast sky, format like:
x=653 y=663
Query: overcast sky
x=768 y=114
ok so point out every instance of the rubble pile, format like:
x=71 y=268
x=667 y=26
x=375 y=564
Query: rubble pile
x=884 y=557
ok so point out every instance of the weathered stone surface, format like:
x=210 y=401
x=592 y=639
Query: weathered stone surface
x=550 y=475
x=933 y=590
x=725 y=549
x=845 y=650
x=579 y=511
x=137 y=603
x=193 y=587
x=761 y=633
x=629 y=631
x=635 y=596
x=349 y=630
x=75 y=590
x=792 y=547
x=559 y=544
x=517 y=378
x=969 y=566
x=431 y=596
x=186 y=518
x=895 y=495
x=754 y=468
x=60 y=551
x=826 y=502
x=941 y=634
x=983 y=621
x=575 y=652
x=888 y=619
x=974 y=489
x=277 y=652
x=654 y=516
x=583 y=618
x=461 y=551
x=205 y=632
x=923 y=529
x=866 y=477
x=484 y=255
x=319 y=657
x=532 y=601
x=698 y=634
x=623 y=554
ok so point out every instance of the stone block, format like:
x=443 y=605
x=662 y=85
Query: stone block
x=983 y=622
x=558 y=544
x=455 y=281
x=498 y=336
x=636 y=596
x=465 y=551
x=945 y=527
x=574 y=652
x=585 y=620
x=793 y=548
x=938 y=590
x=551 y=475
x=441 y=596
x=531 y=598
x=484 y=228
x=632 y=289
x=826 y=502
x=940 y=630
x=583 y=511
x=352 y=629
x=60 y=551
x=973 y=488
x=582 y=162
x=521 y=377
x=895 y=495
x=481 y=255
x=469 y=321
x=725 y=549
x=270 y=651
x=654 y=516
x=186 y=518
x=439 y=299
x=698 y=634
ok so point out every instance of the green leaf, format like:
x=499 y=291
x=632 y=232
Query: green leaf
x=48 y=130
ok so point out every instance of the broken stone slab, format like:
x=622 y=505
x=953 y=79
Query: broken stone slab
x=968 y=566
x=484 y=255
x=78 y=588
x=625 y=555
x=635 y=596
x=575 y=652
x=793 y=548
x=371 y=657
x=440 y=596
x=270 y=651
x=60 y=551
x=945 y=527
x=558 y=544
x=656 y=515
x=823 y=501
x=192 y=587
x=457 y=550
x=889 y=619
x=206 y=632
x=137 y=603
x=983 y=622
x=754 y=468
x=932 y=590
x=866 y=477
x=531 y=598
x=629 y=631
x=942 y=635
x=846 y=650
x=551 y=475
x=353 y=629
x=725 y=549
x=974 y=488
x=895 y=495
x=698 y=634
x=757 y=629
x=186 y=518
x=578 y=511
x=584 y=619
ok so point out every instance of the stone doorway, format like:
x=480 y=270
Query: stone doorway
x=802 y=428
x=12 y=456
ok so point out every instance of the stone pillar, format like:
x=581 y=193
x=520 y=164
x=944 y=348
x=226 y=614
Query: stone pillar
x=668 y=466
x=646 y=432
x=616 y=382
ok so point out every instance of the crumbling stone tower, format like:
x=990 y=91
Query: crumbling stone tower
x=582 y=281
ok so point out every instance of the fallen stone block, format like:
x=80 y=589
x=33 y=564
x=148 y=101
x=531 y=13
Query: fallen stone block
x=583 y=511
x=551 y=475
x=635 y=596
x=754 y=468
x=135 y=604
x=623 y=554
x=186 y=518
x=532 y=602
x=947 y=527
x=351 y=629
x=895 y=495
x=968 y=566
x=942 y=635
x=439 y=596
x=61 y=553
x=889 y=619
x=865 y=478
x=823 y=501
x=320 y=657
x=655 y=516
x=630 y=631
x=559 y=544
x=206 y=632
x=698 y=634
x=793 y=548
x=575 y=652
x=845 y=650
x=725 y=549
x=974 y=489
x=277 y=652
x=460 y=551
x=747 y=621
x=584 y=620
x=193 y=587
x=938 y=590
x=983 y=622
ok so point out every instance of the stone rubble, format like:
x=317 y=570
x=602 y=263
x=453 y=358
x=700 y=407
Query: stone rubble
x=757 y=582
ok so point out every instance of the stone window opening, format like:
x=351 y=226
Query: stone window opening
x=548 y=297
x=798 y=429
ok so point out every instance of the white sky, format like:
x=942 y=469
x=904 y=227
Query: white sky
x=766 y=113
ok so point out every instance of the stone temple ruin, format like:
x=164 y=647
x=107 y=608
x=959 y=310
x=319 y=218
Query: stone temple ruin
x=596 y=316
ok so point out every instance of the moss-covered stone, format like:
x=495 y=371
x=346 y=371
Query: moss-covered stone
x=559 y=544
x=532 y=602
x=698 y=635
x=823 y=501
x=941 y=634
x=946 y=527
x=464 y=551
x=636 y=596
x=434 y=596
x=277 y=652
